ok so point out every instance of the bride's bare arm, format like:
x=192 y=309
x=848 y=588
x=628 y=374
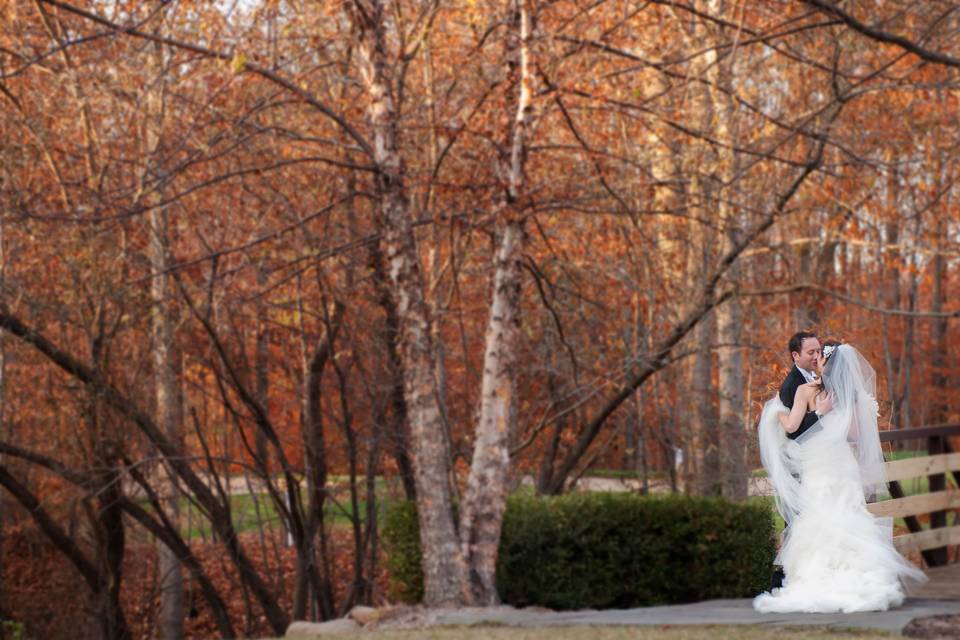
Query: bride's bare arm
x=801 y=401
x=783 y=417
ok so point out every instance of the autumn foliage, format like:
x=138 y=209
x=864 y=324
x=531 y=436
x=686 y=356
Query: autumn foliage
x=193 y=192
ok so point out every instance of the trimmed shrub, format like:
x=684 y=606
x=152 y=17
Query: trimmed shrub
x=400 y=534
x=609 y=550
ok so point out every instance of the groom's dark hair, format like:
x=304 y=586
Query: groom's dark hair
x=796 y=341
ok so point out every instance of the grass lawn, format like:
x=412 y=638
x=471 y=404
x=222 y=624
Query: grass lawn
x=254 y=511
x=624 y=474
x=665 y=632
x=251 y=511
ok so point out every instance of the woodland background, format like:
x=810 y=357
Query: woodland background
x=287 y=249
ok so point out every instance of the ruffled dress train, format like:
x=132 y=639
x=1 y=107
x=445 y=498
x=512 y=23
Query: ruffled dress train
x=836 y=555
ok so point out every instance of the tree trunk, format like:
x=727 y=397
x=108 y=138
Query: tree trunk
x=166 y=359
x=111 y=544
x=218 y=512
x=635 y=454
x=554 y=383
x=730 y=387
x=703 y=475
x=308 y=575
x=261 y=373
x=891 y=293
x=906 y=361
x=3 y=408
x=444 y=570
x=169 y=417
x=357 y=592
x=805 y=316
x=700 y=161
x=103 y=509
x=940 y=407
x=102 y=574
x=169 y=533
x=731 y=428
x=704 y=413
x=486 y=493
x=399 y=432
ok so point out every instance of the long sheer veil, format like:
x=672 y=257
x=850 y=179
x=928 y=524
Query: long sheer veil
x=783 y=470
x=852 y=382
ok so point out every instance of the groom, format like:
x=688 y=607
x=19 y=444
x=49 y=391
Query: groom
x=804 y=348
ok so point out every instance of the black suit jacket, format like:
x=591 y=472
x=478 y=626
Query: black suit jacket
x=788 y=391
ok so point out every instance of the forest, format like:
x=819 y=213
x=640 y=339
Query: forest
x=267 y=264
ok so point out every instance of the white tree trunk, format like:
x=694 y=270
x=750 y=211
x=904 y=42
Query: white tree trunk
x=730 y=378
x=704 y=436
x=444 y=571
x=166 y=359
x=169 y=412
x=485 y=498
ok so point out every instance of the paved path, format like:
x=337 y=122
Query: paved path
x=755 y=486
x=712 y=612
x=938 y=597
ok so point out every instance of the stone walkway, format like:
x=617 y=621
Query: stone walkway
x=938 y=597
x=711 y=612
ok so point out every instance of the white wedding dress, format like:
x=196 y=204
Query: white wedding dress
x=836 y=555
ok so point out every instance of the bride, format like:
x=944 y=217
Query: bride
x=836 y=555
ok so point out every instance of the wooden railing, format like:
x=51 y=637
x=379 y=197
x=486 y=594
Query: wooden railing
x=933 y=543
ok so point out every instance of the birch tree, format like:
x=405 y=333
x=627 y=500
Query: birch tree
x=444 y=570
x=486 y=492
x=166 y=359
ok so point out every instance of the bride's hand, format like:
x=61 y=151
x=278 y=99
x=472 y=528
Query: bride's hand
x=823 y=403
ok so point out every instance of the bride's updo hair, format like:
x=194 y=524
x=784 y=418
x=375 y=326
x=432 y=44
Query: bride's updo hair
x=827 y=350
x=828 y=347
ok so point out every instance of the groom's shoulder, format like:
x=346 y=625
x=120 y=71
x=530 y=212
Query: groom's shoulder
x=788 y=388
x=793 y=375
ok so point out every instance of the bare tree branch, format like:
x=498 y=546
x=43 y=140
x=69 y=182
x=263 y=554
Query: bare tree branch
x=906 y=44
x=241 y=64
x=796 y=288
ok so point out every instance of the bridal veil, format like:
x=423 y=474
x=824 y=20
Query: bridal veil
x=851 y=381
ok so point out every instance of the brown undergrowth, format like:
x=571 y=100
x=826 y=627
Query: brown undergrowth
x=42 y=591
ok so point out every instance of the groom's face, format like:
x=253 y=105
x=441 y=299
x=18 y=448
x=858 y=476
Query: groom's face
x=809 y=352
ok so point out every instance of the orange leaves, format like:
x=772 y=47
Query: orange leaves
x=677 y=130
x=45 y=594
x=238 y=63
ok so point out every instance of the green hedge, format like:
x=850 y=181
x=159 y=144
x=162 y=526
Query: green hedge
x=609 y=550
x=400 y=534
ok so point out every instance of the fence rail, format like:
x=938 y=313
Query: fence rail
x=932 y=543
